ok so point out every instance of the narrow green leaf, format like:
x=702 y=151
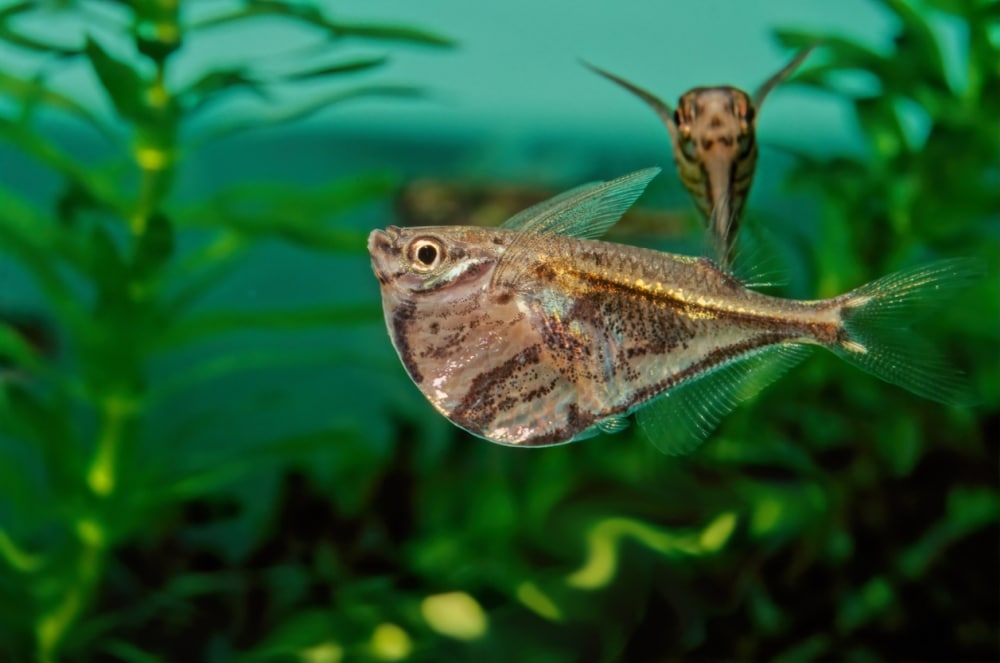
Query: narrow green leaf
x=865 y=604
x=291 y=213
x=202 y=270
x=31 y=44
x=217 y=470
x=984 y=52
x=299 y=632
x=350 y=66
x=825 y=77
x=123 y=84
x=128 y=652
x=917 y=50
x=212 y=325
x=969 y=509
x=45 y=424
x=967 y=9
x=285 y=225
x=28 y=238
x=299 y=231
x=31 y=92
x=334 y=198
x=13 y=555
x=109 y=271
x=311 y=15
x=881 y=125
x=15 y=351
x=388 y=33
x=209 y=86
x=258 y=8
x=14 y=38
x=307 y=110
x=840 y=53
x=103 y=190
x=16 y=8
x=154 y=248
x=254 y=361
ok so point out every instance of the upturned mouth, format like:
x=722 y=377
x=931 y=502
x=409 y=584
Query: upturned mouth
x=381 y=246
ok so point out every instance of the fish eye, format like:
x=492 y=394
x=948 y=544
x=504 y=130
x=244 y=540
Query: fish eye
x=425 y=254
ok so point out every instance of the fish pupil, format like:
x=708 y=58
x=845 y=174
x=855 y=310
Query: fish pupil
x=427 y=254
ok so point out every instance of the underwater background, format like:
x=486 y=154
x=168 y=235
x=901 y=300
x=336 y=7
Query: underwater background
x=209 y=450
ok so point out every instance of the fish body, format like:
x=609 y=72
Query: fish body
x=713 y=135
x=536 y=334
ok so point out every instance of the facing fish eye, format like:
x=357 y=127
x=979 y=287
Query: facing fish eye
x=425 y=254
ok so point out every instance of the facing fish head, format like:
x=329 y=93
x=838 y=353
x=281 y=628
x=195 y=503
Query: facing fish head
x=715 y=124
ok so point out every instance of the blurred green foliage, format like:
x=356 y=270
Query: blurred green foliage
x=834 y=518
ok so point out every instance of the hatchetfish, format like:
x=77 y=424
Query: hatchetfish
x=534 y=333
x=713 y=134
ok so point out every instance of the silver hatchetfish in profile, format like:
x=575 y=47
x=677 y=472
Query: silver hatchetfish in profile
x=713 y=134
x=534 y=333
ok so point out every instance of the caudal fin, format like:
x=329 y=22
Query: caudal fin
x=877 y=316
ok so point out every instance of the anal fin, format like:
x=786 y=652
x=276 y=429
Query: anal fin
x=680 y=420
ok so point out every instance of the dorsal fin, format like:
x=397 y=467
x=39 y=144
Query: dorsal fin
x=525 y=216
x=585 y=212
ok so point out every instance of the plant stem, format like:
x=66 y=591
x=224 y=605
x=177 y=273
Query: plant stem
x=115 y=413
x=18 y=558
x=119 y=404
x=54 y=624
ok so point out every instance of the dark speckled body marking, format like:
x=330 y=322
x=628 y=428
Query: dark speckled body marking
x=533 y=335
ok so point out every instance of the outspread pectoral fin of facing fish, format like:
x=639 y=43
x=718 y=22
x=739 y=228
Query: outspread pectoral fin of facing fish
x=760 y=94
x=662 y=108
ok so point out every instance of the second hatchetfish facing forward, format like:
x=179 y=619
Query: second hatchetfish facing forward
x=713 y=134
x=535 y=333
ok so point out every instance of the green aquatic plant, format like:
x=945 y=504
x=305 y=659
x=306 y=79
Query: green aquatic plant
x=121 y=264
x=158 y=502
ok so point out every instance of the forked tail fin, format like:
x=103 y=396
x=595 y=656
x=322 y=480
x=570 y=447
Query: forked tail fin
x=876 y=318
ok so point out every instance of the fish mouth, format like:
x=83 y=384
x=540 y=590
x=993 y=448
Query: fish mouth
x=382 y=247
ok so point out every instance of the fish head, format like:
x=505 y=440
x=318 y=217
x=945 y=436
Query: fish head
x=435 y=284
x=472 y=346
x=448 y=260
x=715 y=124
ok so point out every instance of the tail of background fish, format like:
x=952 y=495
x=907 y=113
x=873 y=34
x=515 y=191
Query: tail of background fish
x=876 y=319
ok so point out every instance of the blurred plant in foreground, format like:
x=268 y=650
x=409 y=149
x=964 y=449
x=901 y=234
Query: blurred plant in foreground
x=832 y=518
x=122 y=265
